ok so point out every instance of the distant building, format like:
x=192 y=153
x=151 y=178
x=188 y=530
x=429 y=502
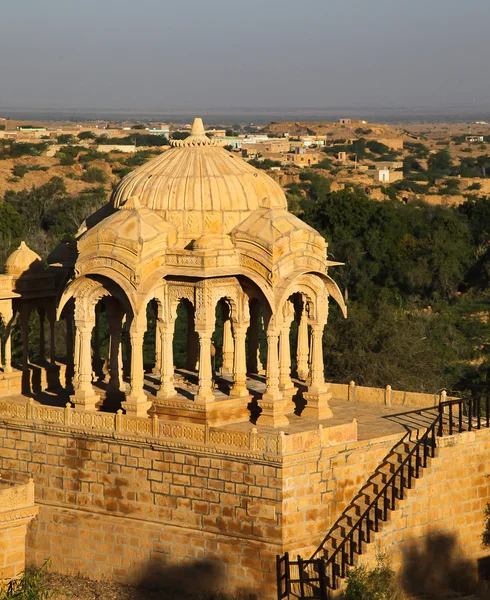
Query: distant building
x=216 y=133
x=387 y=176
x=163 y=130
x=302 y=159
x=228 y=140
x=474 y=139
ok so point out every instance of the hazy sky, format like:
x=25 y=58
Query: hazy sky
x=166 y=54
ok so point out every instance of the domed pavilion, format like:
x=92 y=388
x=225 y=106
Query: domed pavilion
x=200 y=226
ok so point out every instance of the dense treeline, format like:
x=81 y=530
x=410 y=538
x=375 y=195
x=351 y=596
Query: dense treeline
x=416 y=279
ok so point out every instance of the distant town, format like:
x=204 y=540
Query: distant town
x=436 y=163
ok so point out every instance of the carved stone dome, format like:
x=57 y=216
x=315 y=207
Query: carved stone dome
x=200 y=187
x=23 y=260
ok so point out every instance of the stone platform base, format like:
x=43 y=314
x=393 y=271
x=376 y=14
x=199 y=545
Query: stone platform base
x=222 y=411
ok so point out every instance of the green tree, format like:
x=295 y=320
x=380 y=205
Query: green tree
x=87 y=135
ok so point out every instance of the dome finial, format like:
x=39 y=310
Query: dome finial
x=197 y=137
x=197 y=127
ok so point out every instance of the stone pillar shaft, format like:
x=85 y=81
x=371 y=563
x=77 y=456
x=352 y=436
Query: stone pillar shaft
x=317 y=373
x=240 y=362
x=228 y=348
x=84 y=396
x=273 y=402
x=205 y=391
x=115 y=356
x=317 y=396
x=166 y=336
x=285 y=359
x=42 y=341
x=137 y=403
x=302 y=351
x=52 y=337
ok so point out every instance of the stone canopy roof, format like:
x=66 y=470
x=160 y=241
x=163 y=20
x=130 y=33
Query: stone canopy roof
x=199 y=211
x=200 y=187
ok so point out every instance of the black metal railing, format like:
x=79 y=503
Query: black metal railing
x=311 y=579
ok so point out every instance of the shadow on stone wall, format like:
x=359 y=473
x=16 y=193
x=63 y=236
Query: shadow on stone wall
x=198 y=580
x=433 y=567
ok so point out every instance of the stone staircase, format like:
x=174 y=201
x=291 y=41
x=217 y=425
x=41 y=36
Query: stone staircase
x=318 y=577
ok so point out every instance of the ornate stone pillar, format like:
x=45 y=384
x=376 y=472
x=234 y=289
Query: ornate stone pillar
x=24 y=321
x=166 y=338
x=317 y=396
x=302 y=353
x=42 y=342
x=52 y=335
x=137 y=403
x=285 y=382
x=253 y=339
x=114 y=320
x=157 y=370
x=228 y=348
x=70 y=346
x=84 y=396
x=192 y=341
x=205 y=391
x=240 y=361
x=97 y=363
x=273 y=403
x=7 y=365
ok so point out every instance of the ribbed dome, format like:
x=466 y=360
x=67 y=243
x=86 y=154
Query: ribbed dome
x=200 y=187
x=23 y=260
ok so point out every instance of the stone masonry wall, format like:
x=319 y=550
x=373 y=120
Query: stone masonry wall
x=122 y=510
x=130 y=510
x=319 y=486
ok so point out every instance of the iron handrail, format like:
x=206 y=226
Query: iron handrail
x=428 y=439
x=424 y=447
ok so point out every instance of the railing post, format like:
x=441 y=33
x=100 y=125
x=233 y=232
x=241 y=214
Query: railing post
x=441 y=416
x=155 y=425
x=279 y=577
x=67 y=413
x=118 y=424
x=322 y=579
x=388 y=395
x=352 y=391
x=29 y=406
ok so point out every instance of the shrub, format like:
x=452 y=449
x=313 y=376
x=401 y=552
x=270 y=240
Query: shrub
x=372 y=584
x=19 y=170
x=95 y=175
x=32 y=585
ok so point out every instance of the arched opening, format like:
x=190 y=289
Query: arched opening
x=151 y=350
x=185 y=340
x=223 y=348
x=256 y=341
x=107 y=350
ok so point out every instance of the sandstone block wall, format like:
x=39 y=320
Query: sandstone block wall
x=113 y=509
x=318 y=487
x=130 y=510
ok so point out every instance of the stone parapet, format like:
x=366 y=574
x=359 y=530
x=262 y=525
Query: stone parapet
x=277 y=445
x=384 y=396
